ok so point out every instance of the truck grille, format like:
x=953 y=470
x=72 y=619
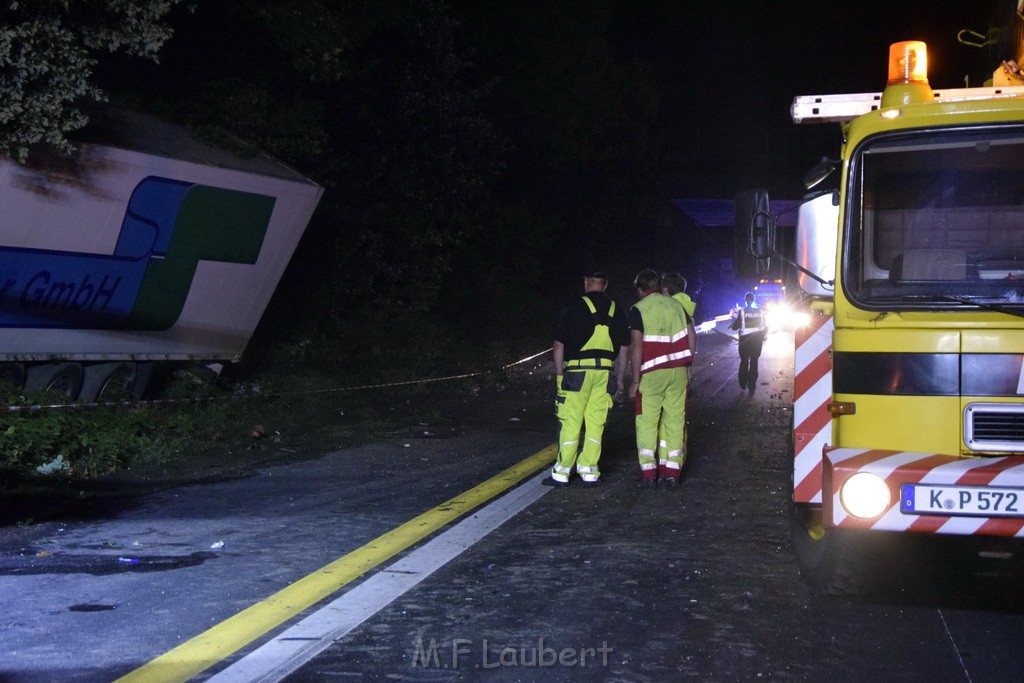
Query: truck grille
x=994 y=427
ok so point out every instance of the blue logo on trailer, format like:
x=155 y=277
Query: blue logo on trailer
x=168 y=227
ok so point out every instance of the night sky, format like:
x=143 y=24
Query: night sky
x=731 y=70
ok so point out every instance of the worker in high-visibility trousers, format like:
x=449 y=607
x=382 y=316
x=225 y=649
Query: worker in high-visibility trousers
x=662 y=344
x=674 y=285
x=590 y=343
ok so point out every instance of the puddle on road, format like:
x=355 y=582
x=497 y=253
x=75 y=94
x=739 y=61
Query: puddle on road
x=30 y=563
x=91 y=608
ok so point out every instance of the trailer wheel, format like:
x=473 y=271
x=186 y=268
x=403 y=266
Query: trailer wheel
x=12 y=374
x=832 y=561
x=60 y=378
x=143 y=374
x=109 y=382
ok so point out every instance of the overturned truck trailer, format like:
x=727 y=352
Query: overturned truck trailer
x=148 y=245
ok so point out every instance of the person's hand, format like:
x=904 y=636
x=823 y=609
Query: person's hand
x=633 y=388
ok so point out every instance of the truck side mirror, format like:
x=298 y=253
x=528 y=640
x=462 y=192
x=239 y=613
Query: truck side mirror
x=755 y=227
x=821 y=170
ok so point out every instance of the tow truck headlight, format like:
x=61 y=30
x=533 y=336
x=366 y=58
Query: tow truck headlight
x=801 y=319
x=785 y=317
x=777 y=316
x=864 y=495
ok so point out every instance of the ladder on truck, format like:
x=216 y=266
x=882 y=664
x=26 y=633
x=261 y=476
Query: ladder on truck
x=840 y=108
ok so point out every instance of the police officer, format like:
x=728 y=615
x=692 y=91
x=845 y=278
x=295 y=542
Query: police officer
x=590 y=340
x=752 y=326
x=663 y=341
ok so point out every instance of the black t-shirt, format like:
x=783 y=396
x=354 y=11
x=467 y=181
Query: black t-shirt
x=576 y=324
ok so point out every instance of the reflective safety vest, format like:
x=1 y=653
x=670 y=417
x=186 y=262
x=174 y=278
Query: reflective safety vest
x=689 y=304
x=599 y=352
x=751 y=321
x=666 y=341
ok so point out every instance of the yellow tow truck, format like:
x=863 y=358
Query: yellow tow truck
x=909 y=379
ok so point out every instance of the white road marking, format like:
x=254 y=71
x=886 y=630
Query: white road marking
x=302 y=642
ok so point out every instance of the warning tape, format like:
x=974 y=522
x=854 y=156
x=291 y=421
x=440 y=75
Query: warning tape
x=201 y=399
x=709 y=325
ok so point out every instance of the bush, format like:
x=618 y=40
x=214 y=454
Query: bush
x=82 y=443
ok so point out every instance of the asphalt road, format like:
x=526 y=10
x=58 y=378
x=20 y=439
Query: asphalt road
x=613 y=583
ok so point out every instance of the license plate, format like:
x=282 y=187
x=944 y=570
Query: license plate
x=984 y=501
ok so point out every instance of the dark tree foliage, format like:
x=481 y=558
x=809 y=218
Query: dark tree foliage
x=412 y=146
x=578 y=114
x=48 y=50
x=474 y=156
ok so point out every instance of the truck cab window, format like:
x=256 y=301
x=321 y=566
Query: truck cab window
x=938 y=220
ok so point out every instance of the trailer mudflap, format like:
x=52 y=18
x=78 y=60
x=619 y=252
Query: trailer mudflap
x=928 y=492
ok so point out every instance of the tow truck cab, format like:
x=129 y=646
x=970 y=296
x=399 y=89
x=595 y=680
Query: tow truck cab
x=909 y=380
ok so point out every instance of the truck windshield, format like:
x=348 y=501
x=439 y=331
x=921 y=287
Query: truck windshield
x=936 y=221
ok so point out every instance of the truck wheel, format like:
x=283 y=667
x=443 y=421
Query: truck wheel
x=60 y=378
x=109 y=382
x=143 y=374
x=12 y=374
x=832 y=561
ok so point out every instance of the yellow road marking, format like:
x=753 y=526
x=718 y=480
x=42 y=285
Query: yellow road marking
x=211 y=646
